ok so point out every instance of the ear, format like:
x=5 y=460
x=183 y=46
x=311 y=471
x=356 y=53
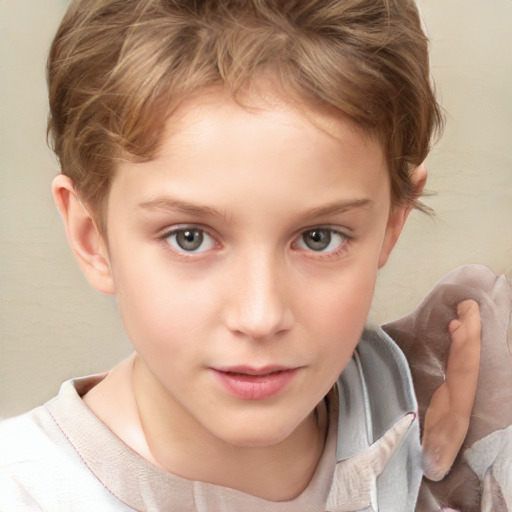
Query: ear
x=399 y=214
x=87 y=243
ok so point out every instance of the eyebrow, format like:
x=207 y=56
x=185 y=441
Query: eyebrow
x=169 y=204
x=176 y=205
x=339 y=207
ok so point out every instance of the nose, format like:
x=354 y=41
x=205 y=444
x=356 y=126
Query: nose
x=259 y=307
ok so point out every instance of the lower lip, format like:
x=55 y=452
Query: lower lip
x=255 y=387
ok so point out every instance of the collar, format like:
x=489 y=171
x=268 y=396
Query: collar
x=378 y=454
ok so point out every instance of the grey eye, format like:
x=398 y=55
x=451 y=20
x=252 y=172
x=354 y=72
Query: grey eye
x=190 y=240
x=317 y=239
x=321 y=240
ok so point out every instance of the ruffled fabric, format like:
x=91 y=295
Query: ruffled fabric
x=423 y=337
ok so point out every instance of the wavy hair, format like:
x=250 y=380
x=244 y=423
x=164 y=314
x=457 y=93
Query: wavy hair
x=117 y=70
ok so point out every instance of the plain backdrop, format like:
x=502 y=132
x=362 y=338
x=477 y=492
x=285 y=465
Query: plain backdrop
x=53 y=326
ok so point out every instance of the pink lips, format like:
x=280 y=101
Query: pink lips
x=254 y=384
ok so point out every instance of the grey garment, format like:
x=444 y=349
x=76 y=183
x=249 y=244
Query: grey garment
x=378 y=433
x=60 y=457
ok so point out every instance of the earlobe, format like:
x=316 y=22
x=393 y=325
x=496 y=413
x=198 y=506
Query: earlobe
x=86 y=242
x=399 y=215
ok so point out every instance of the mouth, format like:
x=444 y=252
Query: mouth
x=249 y=383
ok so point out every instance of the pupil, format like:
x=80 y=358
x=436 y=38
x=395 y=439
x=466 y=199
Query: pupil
x=189 y=239
x=317 y=239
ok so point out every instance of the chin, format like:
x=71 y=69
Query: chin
x=256 y=442
x=259 y=434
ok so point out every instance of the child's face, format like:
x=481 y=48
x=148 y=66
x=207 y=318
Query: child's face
x=244 y=259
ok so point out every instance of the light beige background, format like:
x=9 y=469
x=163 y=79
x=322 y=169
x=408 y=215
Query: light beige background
x=53 y=326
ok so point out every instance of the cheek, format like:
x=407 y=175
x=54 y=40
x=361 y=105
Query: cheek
x=339 y=308
x=334 y=315
x=162 y=311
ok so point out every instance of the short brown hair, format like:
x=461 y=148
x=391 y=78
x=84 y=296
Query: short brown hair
x=118 y=68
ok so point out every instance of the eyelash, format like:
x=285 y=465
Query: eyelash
x=175 y=247
x=343 y=245
x=344 y=242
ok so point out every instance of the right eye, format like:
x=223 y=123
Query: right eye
x=190 y=239
x=321 y=240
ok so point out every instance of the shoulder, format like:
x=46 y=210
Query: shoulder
x=27 y=438
x=30 y=451
x=40 y=470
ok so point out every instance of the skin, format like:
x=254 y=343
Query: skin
x=447 y=366
x=449 y=411
x=254 y=183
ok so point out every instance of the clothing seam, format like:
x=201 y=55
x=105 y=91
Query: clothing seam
x=366 y=398
x=85 y=463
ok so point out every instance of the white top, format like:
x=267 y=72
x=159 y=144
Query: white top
x=60 y=457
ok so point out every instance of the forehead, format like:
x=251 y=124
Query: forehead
x=214 y=147
x=264 y=100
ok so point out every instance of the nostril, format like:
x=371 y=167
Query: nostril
x=260 y=324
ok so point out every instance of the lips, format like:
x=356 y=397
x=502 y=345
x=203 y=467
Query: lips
x=249 y=383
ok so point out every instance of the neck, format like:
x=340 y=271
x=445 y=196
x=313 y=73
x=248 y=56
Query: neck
x=278 y=472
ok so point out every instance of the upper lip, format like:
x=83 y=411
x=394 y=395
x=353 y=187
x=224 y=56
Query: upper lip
x=249 y=370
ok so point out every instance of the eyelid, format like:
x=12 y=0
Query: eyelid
x=173 y=230
x=346 y=240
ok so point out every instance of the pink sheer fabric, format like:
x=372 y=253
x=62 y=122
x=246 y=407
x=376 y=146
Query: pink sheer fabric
x=423 y=337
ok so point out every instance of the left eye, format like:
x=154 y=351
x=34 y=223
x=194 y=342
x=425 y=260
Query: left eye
x=321 y=240
x=190 y=240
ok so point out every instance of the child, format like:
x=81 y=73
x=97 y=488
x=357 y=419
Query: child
x=235 y=172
